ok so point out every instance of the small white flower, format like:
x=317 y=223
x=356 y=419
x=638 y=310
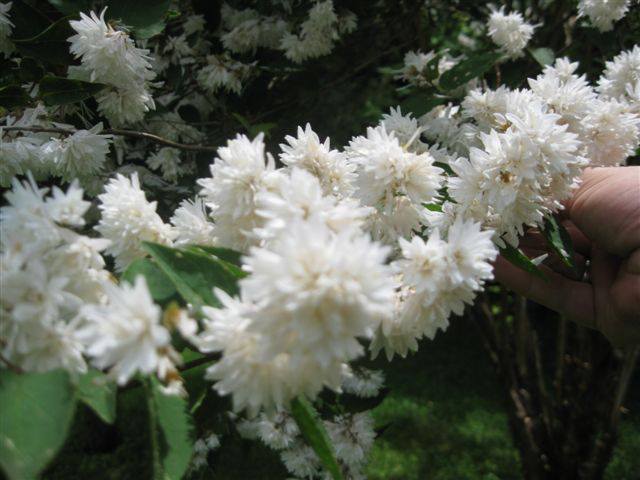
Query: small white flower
x=603 y=13
x=166 y=159
x=128 y=219
x=363 y=382
x=509 y=31
x=125 y=334
x=335 y=174
x=222 y=72
x=621 y=75
x=192 y=225
x=81 y=154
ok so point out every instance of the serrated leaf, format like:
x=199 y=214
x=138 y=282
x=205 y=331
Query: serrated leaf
x=544 y=56
x=173 y=429
x=520 y=260
x=193 y=274
x=145 y=17
x=99 y=393
x=62 y=91
x=13 y=96
x=49 y=46
x=37 y=409
x=315 y=434
x=559 y=240
x=473 y=67
x=160 y=285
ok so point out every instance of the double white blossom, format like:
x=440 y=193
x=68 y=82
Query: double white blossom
x=603 y=13
x=509 y=31
x=128 y=219
x=110 y=56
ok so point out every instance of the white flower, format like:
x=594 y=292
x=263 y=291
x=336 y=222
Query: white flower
x=387 y=172
x=405 y=128
x=239 y=172
x=318 y=291
x=423 y=69
x=193 y=24
x=438 y=278
x=110 y=56
x=509 y=31
x=603 y=13
x=621 y=75
x=298 y=196
x=305 y=151
x=46 y=273
x=192 y=225
x=566 y=93
x=6 y=27
x=67 y=208
x=168 y=160
x=301 y=461
x=277 y=430
x=352 y=437
x=125 y=334
x=610 y=132
x=256 y=379
x=124 y=105
x=223 y=72
x=317 y=35
x=81 y=154
x=128 y=219
x=363 y=382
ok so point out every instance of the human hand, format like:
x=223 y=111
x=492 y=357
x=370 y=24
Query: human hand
x=603 y=219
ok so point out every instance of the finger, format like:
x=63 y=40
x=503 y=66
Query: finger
x=579 y=240
x=568 y=297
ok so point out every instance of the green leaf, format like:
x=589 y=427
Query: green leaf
x=520 y=260
x=27 y=20
x=37 y=409
x=315 y=434
x=544 y=56
x=49 y=46
x=194 y=274
x=13 y=96
x=162 y=289
x=421 y=103
x=99 y=393
x=171 y=431
x=62 y=91
x=468 y=69
x=433 y=207
x=559 y=240
x=145 y=17
x=226 y=254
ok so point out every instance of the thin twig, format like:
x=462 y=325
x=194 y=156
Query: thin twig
x=123 y=133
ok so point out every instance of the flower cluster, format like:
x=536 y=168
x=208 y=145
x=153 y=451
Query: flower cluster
x=603 y=13
x=509 y=32
x=48 y=272
x=110 y=56
x=351 y=434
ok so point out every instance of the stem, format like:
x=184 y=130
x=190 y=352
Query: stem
x=123 y=133
x=153 y=432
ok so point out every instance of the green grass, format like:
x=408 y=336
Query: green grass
x=444 y=419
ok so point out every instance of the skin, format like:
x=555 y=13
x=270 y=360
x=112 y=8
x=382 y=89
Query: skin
x=603 y=218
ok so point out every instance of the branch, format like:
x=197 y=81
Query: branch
x=123 y=133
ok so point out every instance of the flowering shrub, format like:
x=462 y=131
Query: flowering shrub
x=125 y=264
